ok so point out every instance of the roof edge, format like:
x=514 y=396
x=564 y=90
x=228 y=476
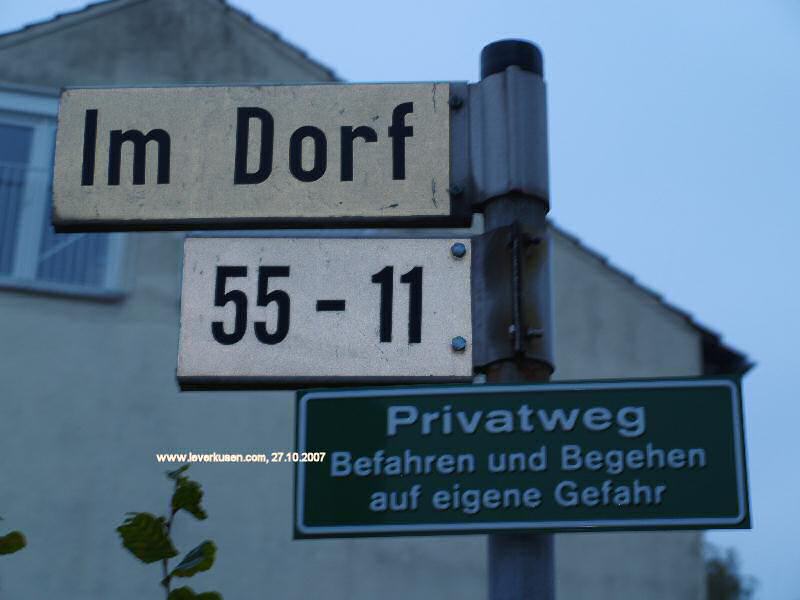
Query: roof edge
x=24 y=88
x=62 y=20
x=94 y=10
x=282 y=42
x=718 y=358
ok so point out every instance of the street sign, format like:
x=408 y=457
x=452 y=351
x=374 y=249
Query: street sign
x=627 y=455
x=277 y=312
x=258 y=156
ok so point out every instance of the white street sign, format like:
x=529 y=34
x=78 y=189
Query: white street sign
x=280 y=312
x=229 y=157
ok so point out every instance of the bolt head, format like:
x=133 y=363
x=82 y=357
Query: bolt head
x=458 y=250
x=455 y=190
x=458 y=343
x=455 y=102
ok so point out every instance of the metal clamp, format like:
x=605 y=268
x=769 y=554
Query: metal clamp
x=511 y=300
x=507 y=129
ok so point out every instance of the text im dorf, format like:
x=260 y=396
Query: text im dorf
x=307 y=159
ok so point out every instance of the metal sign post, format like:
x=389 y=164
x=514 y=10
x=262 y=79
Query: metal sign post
x=521 y=565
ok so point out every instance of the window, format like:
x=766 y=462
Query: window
x=32 y=255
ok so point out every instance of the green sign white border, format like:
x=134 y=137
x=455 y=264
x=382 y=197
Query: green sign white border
x=488 y=526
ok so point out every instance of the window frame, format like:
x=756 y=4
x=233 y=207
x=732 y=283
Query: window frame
x=38 y=109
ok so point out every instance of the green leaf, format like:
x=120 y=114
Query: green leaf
x=145 y=535
x=12 y=542
x=182 y=593
x=176 y=474
x=187 y=496
x=197 y=560
x=186 y=593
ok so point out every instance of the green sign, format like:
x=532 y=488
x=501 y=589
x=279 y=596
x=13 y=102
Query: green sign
x=627 y=455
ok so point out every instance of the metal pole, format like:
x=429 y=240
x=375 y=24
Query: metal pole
x=521 y=566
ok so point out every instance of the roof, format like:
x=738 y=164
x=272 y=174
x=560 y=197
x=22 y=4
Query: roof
x=718 y=357
x=104 y=7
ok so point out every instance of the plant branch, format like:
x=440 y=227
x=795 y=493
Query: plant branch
x=164 y=563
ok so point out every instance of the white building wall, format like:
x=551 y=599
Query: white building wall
x=606 y=327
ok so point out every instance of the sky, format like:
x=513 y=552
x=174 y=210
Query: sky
x=674 y=150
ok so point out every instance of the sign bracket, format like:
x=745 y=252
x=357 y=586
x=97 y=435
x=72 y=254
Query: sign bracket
x=511 y=305
x=507 y=120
